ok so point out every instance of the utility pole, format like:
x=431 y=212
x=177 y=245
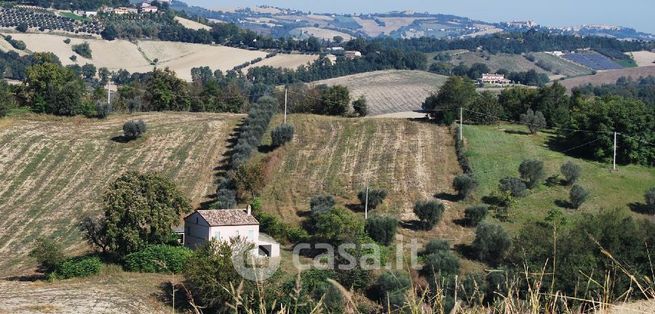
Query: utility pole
x=108 y=94
x=461 y=124
x=614 y=162
x=286 y=99
x=366 y=203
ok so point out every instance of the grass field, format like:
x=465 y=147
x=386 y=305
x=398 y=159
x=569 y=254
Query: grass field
x=561 y=66
x=496 y=152
x=390 y=91
x=510 y=62
x=54 y=170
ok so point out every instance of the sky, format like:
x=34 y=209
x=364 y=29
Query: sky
x=637 y=14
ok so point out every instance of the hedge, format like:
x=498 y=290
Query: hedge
x=158 y=259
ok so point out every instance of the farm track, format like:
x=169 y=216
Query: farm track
x=411 y=160
x=53 y=172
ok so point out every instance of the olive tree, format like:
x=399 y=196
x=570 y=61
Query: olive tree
x=535 y=121
x=491 y=243
x=429 y=212
x=577 y=196
x=649 y=198
x=571 y=172
x=282 y=135
x=381 y=229
x=464 y=185
x=532 y=172
x=375 y=197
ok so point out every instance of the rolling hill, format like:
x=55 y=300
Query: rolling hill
x=390 y=91
x=54 y=170
x=608 y=77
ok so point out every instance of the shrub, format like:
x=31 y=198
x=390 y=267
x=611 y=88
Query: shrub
x=381 y=229
x=375 y=197
x=360 y=106
x=102 y=110
x=571 y=172
x=577 y=196
x=491 y=243
x=77 y=267
x=282 y=135
x=133 y=129
x=22 y=27
x=464 y=185
x=535 y=121
x=649 y=198
x=474 y=215
x=532 y=172
x=440 y=263
x=390 y=288
x=435 y=246
x=514 y=186
x=321 y=203
x=83 y=50
x=429 y=212
x=48 y=254
x=67 y=41
x=158 y=259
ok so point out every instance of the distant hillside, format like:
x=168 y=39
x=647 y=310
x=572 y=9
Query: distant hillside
x=608 y=77
x=390 y=91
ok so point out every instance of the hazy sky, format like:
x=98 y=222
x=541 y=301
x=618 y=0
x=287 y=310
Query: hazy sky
x=638 y=14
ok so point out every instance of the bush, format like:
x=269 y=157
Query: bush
x=321 y=203
x=22 y=27
x=83 y=50
x=532 y=172
x=442 y=263
x=48 y=254
x=474 y=215
x=571 y=172
x=513 y=186
x=535 y=121
x=435 y=246
x=133 y=129
x=77 y=267
x=282 y=135
x=360 y=106
x=158 y=259
x=491 y=243
x=649 y=198
x=577 y=196
x=381 y=229
x=375 y=197
x=429 y=212
x=102 y=110
x=390 y=288
x=67 y=41
x=464 y=185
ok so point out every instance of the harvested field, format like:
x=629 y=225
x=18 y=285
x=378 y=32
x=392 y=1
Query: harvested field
x=509 y=62
x=608 y=77
x=320 y=33
x=6 y=47
x=112 y=292
x=412 y=160
x=285 y=61
x=373 y=29
x=390 y=91
x=561 y=66
x=54 y=170
x=643 y=58
x=190 y=24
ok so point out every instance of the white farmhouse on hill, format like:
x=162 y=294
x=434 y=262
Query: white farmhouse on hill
x=225 y=224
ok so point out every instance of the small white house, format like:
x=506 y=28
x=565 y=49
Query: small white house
x=225 y=224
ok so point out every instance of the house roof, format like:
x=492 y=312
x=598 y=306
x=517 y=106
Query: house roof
x=227 y=217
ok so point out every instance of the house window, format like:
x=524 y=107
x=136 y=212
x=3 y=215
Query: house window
x=217 y=235
x=251 y=235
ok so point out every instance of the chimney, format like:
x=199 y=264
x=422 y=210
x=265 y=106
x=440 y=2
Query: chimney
x=249 y=210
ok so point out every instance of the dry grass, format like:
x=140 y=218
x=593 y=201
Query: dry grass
x=373 y=29
x=321 y=33
x=643 y=58
x=510 y=62
x=285 y=61
x=390 y=91
x=608 y=77
x=54 y=170
x=190 y=24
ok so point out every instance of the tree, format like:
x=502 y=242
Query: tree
x=83 y=50
x=334 y=101
x=571 y=172
x=474 y=215
x=476 y=71
x=649 y=198
x=553 y=102
x=338 y=226
x=109 y=33
x=375 y=197
x=321 y=203
x=360 y=106
x=532 y=172
x=249 y=179
x=455 y=93
x=513 y=186
x=139 y=209
x=429 y=212
x=164 y=91
x=515 y=101
x=134 y=129
x=390 y=288
x=534 y=120
x=88 y=70
x=381 y=229
x=435 y=246
x=486 y=109
x=48 y=254
x=577 y=196
x=281 y=135
x=53 y=89
x=491 y=243
x=464 y=185
x=22 y=27
x=440 y=264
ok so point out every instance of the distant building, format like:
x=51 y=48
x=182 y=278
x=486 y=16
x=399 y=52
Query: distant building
x=336 y=50
x=493 y=79
x=332 y=58
x=352 y=54
x=90 y=13
x=149 y=9
x=225 y=224
x=125 y=10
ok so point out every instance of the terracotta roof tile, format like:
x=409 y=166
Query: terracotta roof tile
x=227 y=217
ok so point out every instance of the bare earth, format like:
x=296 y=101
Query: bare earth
x=285 y=61
x=643 y=58
x=390 y=91
x=608 y=77
x=190 y=24
x=54 y=171
x=321 y=33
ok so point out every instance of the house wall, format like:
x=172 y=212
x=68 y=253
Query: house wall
x=225 y=233
x=196 y=231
